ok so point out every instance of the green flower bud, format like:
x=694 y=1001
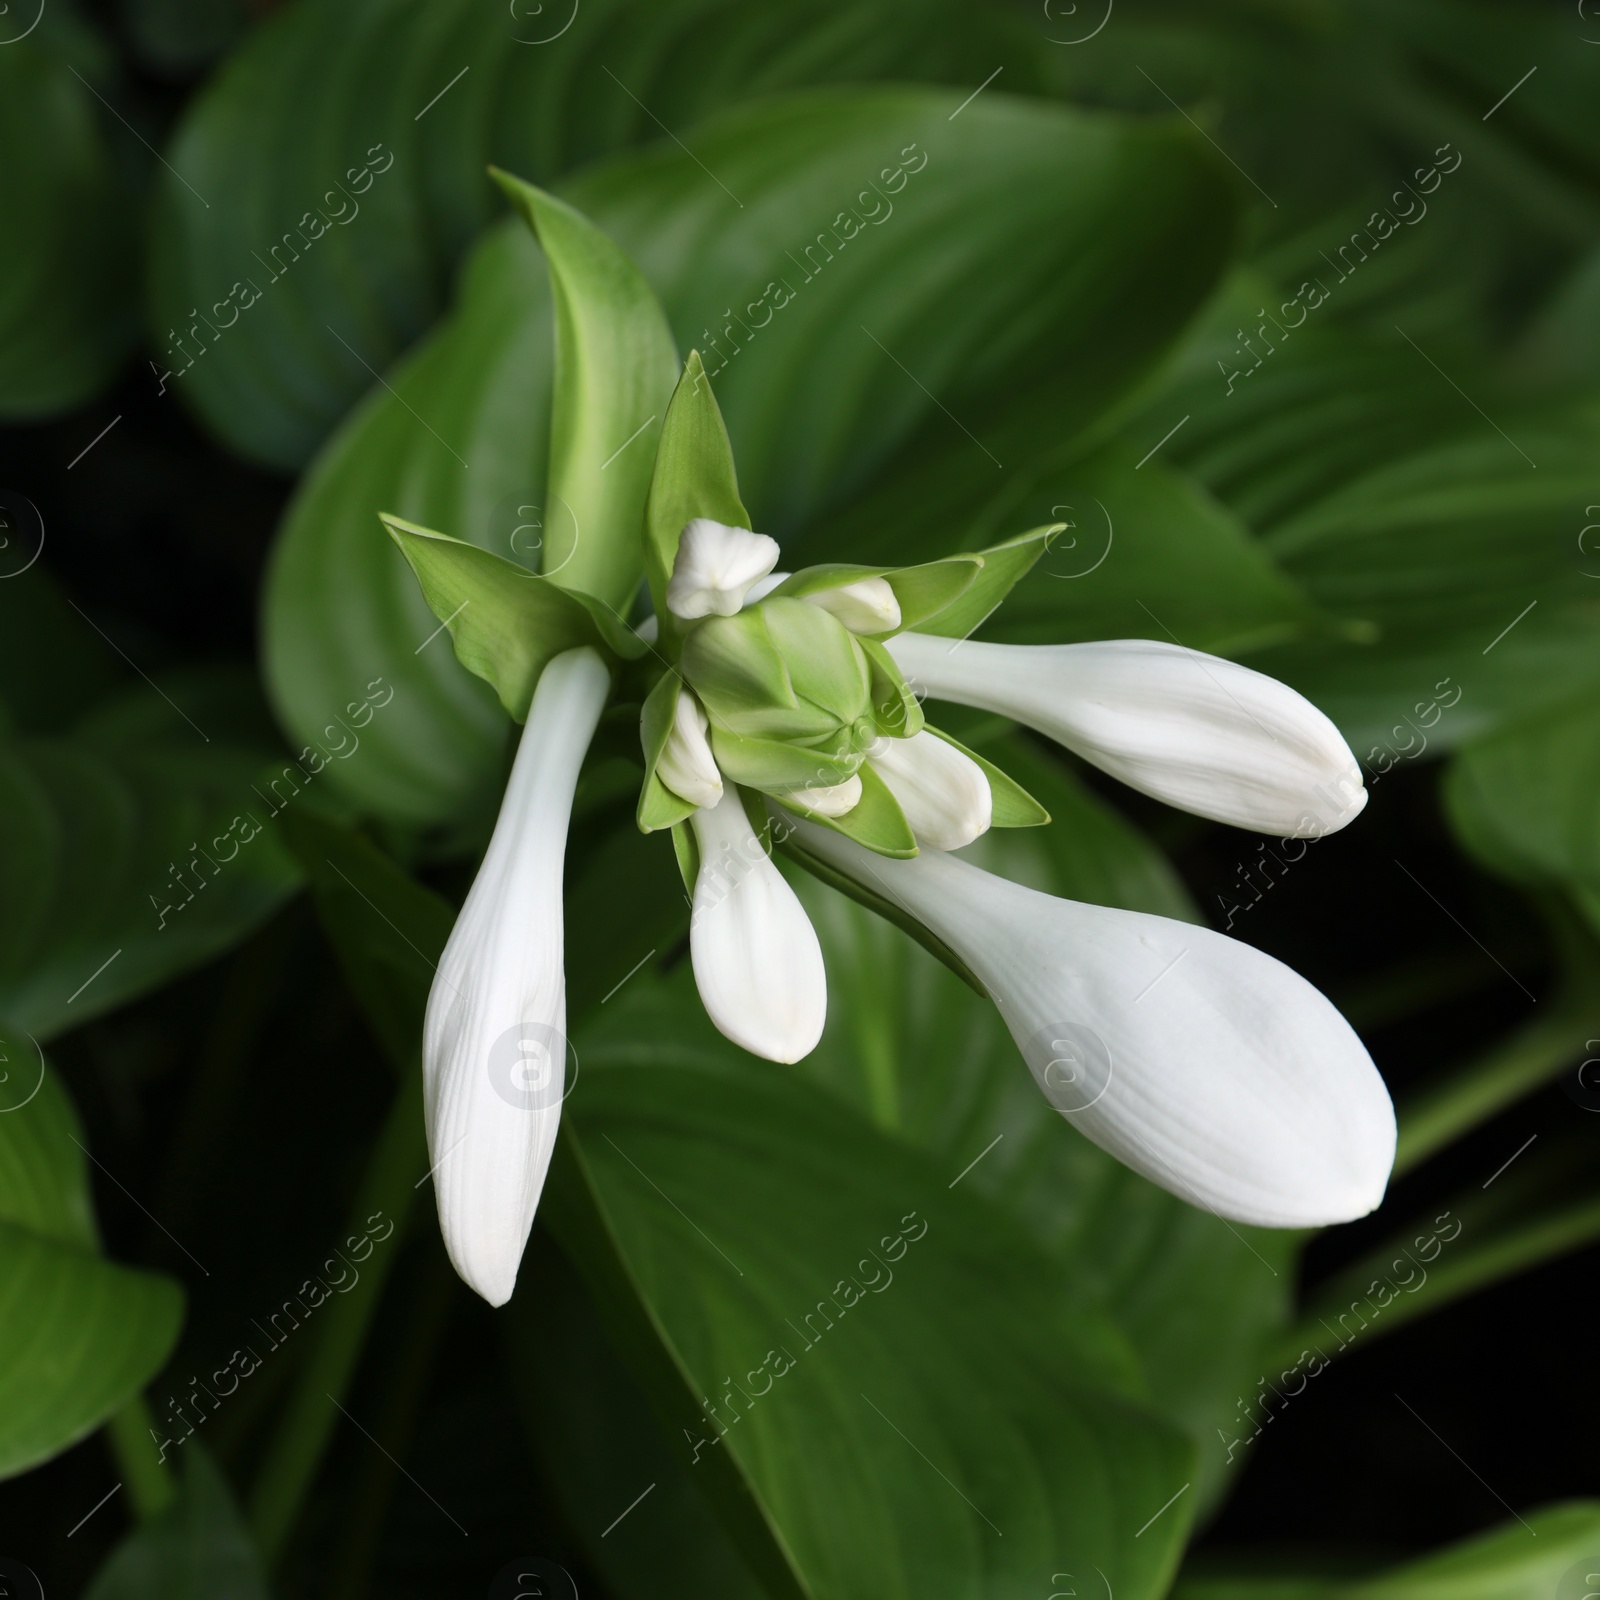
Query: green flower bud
x=782 y=670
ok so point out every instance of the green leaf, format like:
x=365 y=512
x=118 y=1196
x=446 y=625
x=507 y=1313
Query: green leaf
x=1021 y=1397
x=79 y=1335
x=659 y=807
x=1013 y=806
x=67 y=297
x=614 y=368
x=694 y=476
x=197 y=1549
x=507 y=624
x=121 y=868
x=355 y=219
x=874 y=821
x=1523 y=798
x=1539 y=1557
x=1470 y=563
x=813 y=406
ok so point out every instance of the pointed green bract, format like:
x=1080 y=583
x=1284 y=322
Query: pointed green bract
x=922 y=591
x=506 y=623
x=694 y=477
x=1013 y=806
x=659 y=807
x=896 y=709
x=1005 y=565
x=614 y=364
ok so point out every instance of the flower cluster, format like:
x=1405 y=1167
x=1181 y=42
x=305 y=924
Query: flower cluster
x=763 y=697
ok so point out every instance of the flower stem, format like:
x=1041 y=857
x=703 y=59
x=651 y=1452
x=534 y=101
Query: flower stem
x=388 y=1187
x=1531 y=1056
x=151 y=1486
x=1513 y=1250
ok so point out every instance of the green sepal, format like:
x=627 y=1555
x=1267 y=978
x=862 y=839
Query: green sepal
x=1005 y=565
x=769 y=764
x=788 y=841
x=659 y=806
x=615 y=359
x=506 y=623
x=921 y=591
x=687 y=849
x=875 y=822
x=1013 y=806
x=895 y=708
x=934 y=587
x=694 y=477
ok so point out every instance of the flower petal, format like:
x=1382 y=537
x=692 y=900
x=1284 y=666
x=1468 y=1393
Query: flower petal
x=868 y=605
x=1201 y=733
x=944 y=794
x=715 y=567
x=494 y=1040
x=687 y=766
x=756 y=957
x=1200 y=1062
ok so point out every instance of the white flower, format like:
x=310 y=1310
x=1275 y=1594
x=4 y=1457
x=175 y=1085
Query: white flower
x=687 y=766
x=1201 y=733
x=494 y=1039
x=866 y=606
x=827 y=800
x=944 y=793
x=756 y=958
x=1198 y=1061
x=715 y=567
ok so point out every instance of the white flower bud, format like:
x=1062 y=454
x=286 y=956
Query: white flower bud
x=1201 y=733
x=687 y=766
x=715 y=567
x=826 y=800
x=866 y=606
x=756 y=959
x=944 y=794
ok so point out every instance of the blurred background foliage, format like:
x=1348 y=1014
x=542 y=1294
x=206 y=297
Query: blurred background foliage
x=257 y=286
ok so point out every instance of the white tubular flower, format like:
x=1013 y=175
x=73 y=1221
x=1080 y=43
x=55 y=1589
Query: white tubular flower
x=687 y=766
x=827 y=800
x=715 y=568
x=756 y=958
x=1200 y=1062
x=866 y=606
x=494 y=1040
x=1203 y=734
x=944 y=793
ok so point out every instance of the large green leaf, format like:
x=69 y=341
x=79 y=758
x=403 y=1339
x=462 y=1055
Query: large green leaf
x=197 y=1549
x=1525 y=798
x=124 y=865
x=430 y=92
x=955 y=1419
x=979 y=290
x=66 y=295
x=79 y=1335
